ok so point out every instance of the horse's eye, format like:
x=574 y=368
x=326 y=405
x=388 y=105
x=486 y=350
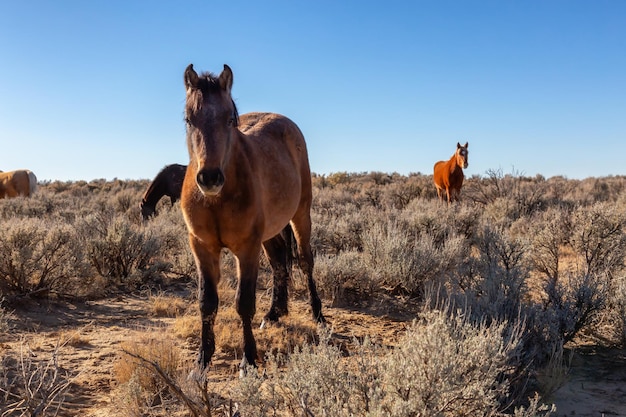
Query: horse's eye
x=231 y=122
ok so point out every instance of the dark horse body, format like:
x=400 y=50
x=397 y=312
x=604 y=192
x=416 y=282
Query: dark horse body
x=247 y=179
x=448 y=175
x=168 y=182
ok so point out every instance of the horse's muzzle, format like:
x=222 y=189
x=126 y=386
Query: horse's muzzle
x=210 y=181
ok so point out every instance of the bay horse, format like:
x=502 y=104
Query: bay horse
x=168 y=182
x=248 y=178
x=448 y=175
x=21 y=182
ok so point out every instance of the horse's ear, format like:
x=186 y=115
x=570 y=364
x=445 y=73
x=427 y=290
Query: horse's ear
x=191 y=77
x=466 y=144
x=458 y=145
x=226 y=79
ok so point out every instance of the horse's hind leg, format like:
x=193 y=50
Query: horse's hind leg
x=441 y=194
x=301 y=225
x=277 y=250
x=449 y=195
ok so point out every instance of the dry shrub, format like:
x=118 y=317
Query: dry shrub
x=598 y=237
x=140 y=389
x=521 y=195
x=168 y=228
x=549 y=234
x=443 y=366
x=39 y=206
x=555 y=372
x=38 y=257
x=332 y=235
x=493 y=285
x=4 y=317
x=580 y=256
x=404 y=261
x=617 y=308
x=119 y=250
x=447 y=366
x=573 y=303
x=344 y=279
x=32 y=385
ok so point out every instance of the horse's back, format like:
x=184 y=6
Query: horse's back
x=271 y=126
x=174 y=176
x=270 y=134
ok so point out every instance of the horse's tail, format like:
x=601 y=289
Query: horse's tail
x=291 y=246
x=32 y=181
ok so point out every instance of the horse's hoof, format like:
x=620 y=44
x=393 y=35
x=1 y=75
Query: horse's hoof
x=196 y=374
x=244 y=367
x=268 y=320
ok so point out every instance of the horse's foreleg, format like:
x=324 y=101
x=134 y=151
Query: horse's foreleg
x=278 y=255
x=208 y=266
x=245 y=299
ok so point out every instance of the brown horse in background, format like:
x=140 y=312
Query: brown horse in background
x=448 y=175
x=248 y=178
x=21 y=182
x=168 y=182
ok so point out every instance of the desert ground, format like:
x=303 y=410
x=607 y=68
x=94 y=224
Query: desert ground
x=91 y=334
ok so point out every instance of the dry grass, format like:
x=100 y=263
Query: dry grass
x=186 y=326
x=75 y=339
x=155 y=348
x=163 y=305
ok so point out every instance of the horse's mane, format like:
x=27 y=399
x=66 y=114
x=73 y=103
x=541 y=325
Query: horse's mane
x=156 y=182
x=210 y=83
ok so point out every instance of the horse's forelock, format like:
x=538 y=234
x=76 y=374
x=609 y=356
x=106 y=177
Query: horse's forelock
x=207 y=83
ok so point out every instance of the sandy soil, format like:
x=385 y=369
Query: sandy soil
x=93 y=331
x=595 y=385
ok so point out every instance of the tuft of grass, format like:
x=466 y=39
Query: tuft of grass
x=159 y=350
x=186 y=326
x=75 y=339
x=162 y=305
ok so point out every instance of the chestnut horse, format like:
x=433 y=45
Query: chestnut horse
x=21 y=182
x=448 y=175
x=248 y=178
x=168 y=182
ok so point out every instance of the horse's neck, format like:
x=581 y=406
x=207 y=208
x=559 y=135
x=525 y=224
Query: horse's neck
x=453 y=166
x=155 y=191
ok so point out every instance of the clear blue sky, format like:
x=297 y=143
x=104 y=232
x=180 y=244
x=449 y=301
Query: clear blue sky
x=94 y=89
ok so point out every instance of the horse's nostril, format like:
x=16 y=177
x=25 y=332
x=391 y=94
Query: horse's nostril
x=209 y=178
